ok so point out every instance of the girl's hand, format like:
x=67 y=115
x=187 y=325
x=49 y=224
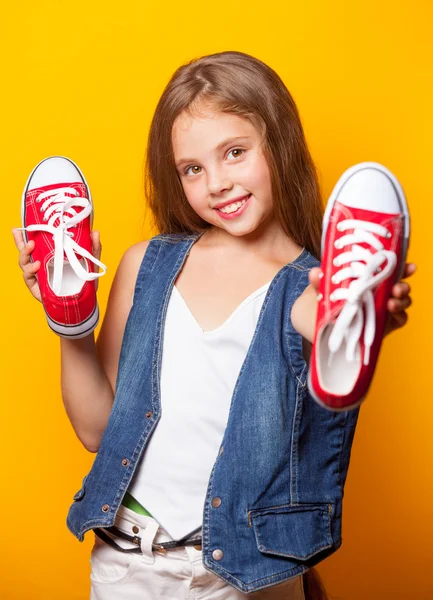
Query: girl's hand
x=31 y=268
x=96 y=250
x=398 y=303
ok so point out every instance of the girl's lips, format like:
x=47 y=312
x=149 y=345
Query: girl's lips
x=236 y=213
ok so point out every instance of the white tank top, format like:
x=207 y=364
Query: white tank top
x=198 y=374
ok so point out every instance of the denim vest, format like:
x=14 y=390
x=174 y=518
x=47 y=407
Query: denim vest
x=283 y=459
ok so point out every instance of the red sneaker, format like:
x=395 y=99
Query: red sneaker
x=364 y=245
x=57 y=214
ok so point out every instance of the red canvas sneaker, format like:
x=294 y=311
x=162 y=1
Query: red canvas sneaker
x=364 y=245
x=57 y=214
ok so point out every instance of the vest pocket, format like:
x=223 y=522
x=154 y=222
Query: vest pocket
x=293 y=531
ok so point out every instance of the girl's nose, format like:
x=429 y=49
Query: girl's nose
x=218 y=183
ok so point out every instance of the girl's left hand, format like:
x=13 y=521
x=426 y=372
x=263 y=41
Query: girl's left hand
x=398 y=303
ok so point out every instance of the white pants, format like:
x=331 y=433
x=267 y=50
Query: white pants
x=177 y=575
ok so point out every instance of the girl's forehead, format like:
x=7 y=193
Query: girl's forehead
x=208 y=128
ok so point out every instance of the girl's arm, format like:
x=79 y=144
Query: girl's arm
x=305 y=308
x=89 y=369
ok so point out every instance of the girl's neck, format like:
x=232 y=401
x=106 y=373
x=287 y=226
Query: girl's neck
x=269 y=241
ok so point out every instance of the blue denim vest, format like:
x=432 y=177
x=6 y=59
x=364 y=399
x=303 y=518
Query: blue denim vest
x=283 y=460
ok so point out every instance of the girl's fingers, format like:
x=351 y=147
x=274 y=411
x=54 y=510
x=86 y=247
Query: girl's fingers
x=30 y=271
x=96 y=244
x=18 y=239
x=314 y=277
x=401 y=289
x=24 y=258
x=399 y=319
x=409 y=269
x=25 y=248
x=396 y=305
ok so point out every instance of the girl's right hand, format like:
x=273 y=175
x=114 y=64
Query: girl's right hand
x=30 y=269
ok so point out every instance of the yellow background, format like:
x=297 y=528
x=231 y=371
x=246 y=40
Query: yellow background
x=82 y=79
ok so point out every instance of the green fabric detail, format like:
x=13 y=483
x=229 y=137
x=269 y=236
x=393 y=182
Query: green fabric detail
x=131 y=503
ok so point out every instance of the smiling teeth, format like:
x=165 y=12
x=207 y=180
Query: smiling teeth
x=232 y=207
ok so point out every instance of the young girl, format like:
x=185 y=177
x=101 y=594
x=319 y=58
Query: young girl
x=216 y=475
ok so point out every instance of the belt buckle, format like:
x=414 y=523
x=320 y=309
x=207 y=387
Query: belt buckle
x=160 y=549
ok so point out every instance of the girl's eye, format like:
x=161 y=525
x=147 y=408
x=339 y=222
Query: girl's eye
x=195 y=170
x=237 y=152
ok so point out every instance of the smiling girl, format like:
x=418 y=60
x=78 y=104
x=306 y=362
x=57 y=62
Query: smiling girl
x=216 y=474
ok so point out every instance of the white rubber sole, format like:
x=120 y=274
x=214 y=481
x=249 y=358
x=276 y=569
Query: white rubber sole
x=330 y=205
x=75 y=331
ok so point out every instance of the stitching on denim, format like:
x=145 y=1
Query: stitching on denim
x=302 y=383
x=175 y=239
x=96 y=522
x=286 y=505
x=289 y=332
x=340 y=454
x=304 y=505
x=294 y=455
x=317 y=549
x=147 y=265
x=270 y=579
x=206 y=511
x=129 y=472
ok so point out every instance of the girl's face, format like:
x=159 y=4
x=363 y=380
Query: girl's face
x=223 y=171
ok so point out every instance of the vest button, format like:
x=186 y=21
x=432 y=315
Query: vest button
x=217 y=554
x=149 y=414
x=105 y=507
x=216 y=502
x=135 y=529
x=125 y=462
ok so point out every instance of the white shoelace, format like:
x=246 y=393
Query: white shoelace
x=366 y=277
x=57 y=205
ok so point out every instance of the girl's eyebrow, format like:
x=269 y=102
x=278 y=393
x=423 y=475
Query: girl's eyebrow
x=226 y=142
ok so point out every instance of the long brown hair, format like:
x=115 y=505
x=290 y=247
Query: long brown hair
x=237 y=83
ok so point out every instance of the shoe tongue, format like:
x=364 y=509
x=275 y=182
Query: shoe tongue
x=50 y=263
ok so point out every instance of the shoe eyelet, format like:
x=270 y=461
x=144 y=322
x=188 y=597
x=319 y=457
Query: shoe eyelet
x=388 y=234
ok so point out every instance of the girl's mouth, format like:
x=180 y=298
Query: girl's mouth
x=231 y=211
